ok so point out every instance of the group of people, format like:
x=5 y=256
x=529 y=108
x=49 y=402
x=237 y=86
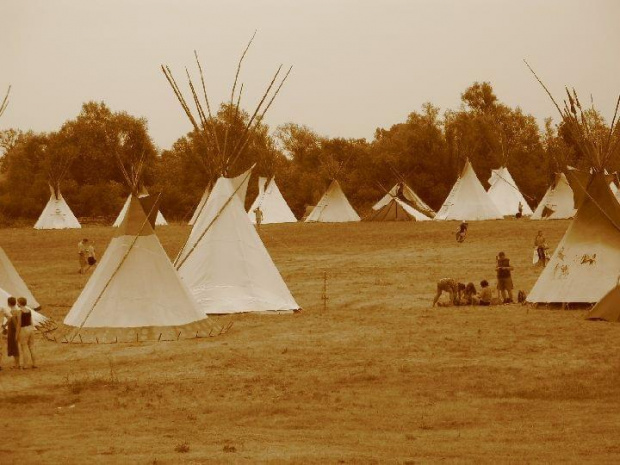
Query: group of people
x=18 y=329
x=461 y=294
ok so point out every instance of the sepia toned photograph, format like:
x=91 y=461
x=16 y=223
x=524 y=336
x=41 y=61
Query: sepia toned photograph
x=309 y=232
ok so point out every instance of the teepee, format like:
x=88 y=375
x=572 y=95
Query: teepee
x=224 y=263
x=397 y=210
x=586 y=263
x=558 y=202
x=40 y=321
x=468 y=201
x=409 y=196
x=334 y=207
x=271 y=203
x=608 y=308
x=57 y=214
x=135 y=293
x=159 y=221
x=505 y=194
x=12 y=282
x=199 y=207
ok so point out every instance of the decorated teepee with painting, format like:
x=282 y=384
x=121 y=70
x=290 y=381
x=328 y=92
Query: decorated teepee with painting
x=586 y=263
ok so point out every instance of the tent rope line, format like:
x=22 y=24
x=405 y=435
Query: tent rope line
x=232 y=196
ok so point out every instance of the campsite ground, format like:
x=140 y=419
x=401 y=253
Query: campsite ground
x=378 y=376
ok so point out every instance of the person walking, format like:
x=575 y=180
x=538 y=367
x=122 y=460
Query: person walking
x=25 y=333
x=258 y=213
x=504 y=278
x=541 y=248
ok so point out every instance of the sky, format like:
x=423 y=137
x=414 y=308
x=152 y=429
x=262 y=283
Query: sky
x=357 y=65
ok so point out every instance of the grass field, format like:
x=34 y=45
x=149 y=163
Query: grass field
x=377 y=377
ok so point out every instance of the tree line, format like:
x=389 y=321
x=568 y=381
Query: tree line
x=427 y=150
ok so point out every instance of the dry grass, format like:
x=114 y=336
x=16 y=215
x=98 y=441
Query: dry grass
x=378 y=377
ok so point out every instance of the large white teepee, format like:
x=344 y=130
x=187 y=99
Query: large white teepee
x=333 y=207
x=224 y=262
x=201 y=205
x=468 y=201
x=134 y=293
x=586 y=263
x=410 y=196
x=271 y=203
x=558 y=202
x=12 y=282
x=160 y=220
x=57 y=214
x=505 y=193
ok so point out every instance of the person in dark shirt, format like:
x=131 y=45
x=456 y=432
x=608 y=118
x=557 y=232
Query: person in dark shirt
x=504 y=278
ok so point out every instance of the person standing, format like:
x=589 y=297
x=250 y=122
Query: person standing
x=9 y=331
x=25 y=333
x=258 y=213
x=504 y=277
x=86 y=253
x=541 y=248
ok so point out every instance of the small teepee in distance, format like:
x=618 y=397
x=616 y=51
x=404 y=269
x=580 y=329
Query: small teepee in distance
x=224 y=262
x=505 y=194
x=57 y=214
x=271 y=203
x=558 y=202
x=134 y=293
x=334 y=207
x=586 y=263
x=468 y=201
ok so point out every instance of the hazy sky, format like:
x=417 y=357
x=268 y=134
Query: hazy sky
x=357 y=65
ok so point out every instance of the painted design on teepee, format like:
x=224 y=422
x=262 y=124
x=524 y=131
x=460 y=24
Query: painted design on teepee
x=334 y=207
x=271 y=203
x=224 y=262
x=468 y=201
x=410 y=196
x=12 y=282
x=586 y=263
x=505 y=194
x=135 y=293
x=57 y=214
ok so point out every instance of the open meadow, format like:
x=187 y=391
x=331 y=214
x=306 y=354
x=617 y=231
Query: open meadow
x=376 y=377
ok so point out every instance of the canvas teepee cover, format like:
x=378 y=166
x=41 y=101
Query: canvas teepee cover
x=135 y=293
x=224 y=262
x=272 y=204
x=12 y=282
x=397 y=210
x=586 y=263
x=201 y=204
x=608 y=308
x=57 y=214
x=160 y=220
x=468 y=201
x=505 y=194
x=414 y=200
x=558 y=202
x=333 y=207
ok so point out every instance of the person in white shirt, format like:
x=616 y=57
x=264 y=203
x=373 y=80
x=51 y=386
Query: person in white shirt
x=8 y=317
